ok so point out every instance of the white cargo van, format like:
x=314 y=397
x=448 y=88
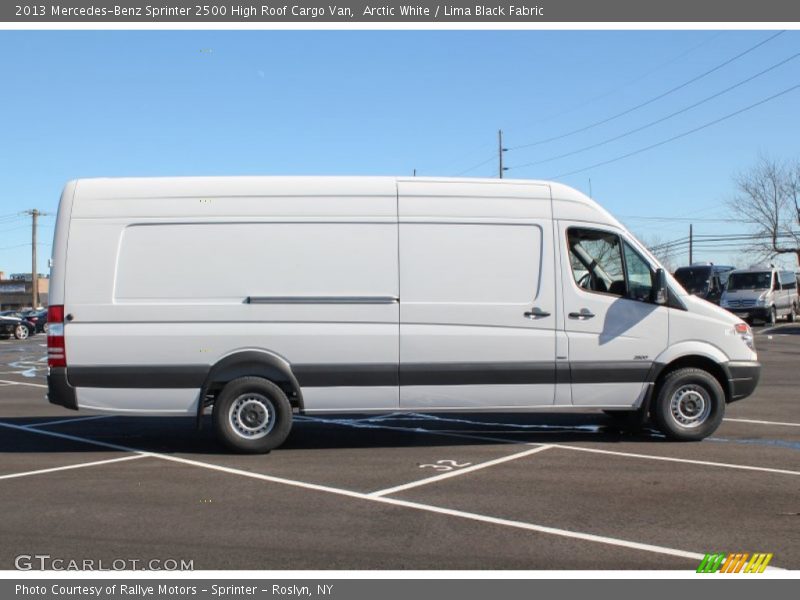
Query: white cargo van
x=762 y=293
x=267 y=296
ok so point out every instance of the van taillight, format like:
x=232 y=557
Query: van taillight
x=56 y=351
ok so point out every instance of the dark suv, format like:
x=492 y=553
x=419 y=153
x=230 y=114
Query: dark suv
x=706 y=281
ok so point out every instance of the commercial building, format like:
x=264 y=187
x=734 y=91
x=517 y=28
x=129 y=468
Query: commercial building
x=16 y=292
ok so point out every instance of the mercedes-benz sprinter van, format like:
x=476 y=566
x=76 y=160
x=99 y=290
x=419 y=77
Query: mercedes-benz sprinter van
x=761 y=293
x=261 y=297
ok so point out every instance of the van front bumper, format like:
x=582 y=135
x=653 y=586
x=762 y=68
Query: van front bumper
x=760 y=313
x=59 y=391
x=743 y=378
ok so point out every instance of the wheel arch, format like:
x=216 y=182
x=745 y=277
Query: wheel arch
x=250 y=363
x=713 y=367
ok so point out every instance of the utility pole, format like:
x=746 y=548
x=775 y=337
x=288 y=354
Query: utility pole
x=691 y=241
x=500 y=151
x=35 y=214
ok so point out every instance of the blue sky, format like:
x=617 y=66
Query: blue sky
x=142 y=103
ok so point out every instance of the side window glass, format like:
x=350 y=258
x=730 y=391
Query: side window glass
x=640 y=277
x=596 y=261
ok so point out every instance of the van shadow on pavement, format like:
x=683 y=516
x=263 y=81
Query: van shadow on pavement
x=178 y=435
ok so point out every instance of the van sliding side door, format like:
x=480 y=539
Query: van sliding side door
x=477 y=296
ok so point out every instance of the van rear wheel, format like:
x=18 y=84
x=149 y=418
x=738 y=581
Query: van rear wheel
x=252 y=415
x=690 y=405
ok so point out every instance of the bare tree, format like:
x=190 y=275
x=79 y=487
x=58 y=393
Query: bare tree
x=768 y=199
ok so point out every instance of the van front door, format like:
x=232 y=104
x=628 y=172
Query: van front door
x=614 y=328
x=477 y=296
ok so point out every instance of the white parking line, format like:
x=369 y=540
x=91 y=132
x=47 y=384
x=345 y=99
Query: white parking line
x=39 y=385
x=756 y=422
x=690 y=461
x=68 y=467
x=461 y=471
x=565 y=533
x=74 y=420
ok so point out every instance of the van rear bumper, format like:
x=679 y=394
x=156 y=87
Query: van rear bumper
x=59 y=391
x=743 y=378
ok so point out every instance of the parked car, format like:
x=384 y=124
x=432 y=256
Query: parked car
x=704 y=280
x=12 y=323
x=761 y=293
x=38 y=318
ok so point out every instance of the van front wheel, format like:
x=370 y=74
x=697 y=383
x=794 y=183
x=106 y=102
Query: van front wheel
x=773 y=317
x=690 y=405
x=252 y=415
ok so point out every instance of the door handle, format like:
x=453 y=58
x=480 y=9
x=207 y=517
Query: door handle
x=583 y=315
x=535 y=313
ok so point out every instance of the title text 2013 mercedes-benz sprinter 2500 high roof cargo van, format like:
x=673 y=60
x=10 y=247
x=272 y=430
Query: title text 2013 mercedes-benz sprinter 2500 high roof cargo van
x=266 y=296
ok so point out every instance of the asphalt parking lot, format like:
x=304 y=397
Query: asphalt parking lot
x=488 y=491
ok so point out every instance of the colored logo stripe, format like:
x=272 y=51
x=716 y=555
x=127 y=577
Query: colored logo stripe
x=734 y=563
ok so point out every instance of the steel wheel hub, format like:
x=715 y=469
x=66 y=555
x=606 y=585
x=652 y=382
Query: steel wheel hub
x=252 y=416
x=690 y=405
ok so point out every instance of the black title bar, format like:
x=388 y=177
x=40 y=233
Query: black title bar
x=396 y=11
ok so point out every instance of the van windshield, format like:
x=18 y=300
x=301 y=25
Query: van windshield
x=750 y=281
x=694 y=281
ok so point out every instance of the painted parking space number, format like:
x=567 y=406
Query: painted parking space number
x=445 y=465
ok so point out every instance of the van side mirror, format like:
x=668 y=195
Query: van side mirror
x=660 y=287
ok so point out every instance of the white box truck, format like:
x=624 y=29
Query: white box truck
x=261 y=297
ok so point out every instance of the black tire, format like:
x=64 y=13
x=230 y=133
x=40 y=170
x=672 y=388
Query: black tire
x=252 y=415
x=21 y=332
x=689 y=406
x=792 y=312
x=773 y=317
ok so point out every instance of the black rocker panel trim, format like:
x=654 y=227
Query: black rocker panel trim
x=370 y=374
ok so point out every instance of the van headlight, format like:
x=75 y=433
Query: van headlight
x=746 y=334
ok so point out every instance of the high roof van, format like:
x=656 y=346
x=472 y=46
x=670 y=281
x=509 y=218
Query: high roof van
x=763 y=293
x=258 y=298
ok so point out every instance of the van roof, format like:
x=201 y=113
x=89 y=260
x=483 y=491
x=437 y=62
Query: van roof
x=133 y=188
x=754 y=269
x=193 y=185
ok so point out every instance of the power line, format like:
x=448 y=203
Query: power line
x=679 y=219
x=630 y=82
x=661 y=120
x=480 y=164
x=717 y=241
x=651 y=100
x=680 y=135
